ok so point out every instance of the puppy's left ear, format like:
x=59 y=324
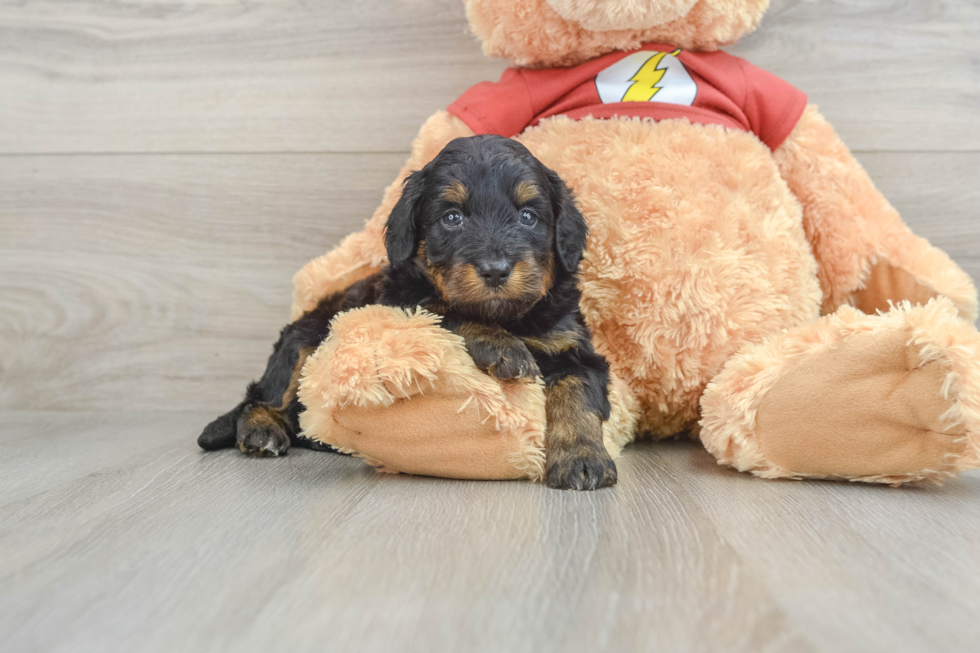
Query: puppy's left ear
x=401 y=231
x=570 y=228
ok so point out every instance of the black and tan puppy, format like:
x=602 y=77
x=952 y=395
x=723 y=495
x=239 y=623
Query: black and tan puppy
x=490 y=239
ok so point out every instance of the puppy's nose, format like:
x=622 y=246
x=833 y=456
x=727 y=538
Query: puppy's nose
x=495 y=273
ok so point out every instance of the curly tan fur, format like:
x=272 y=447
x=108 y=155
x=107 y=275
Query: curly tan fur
x=406 y=363
x=531 y=33
x=710 y=258
x=672 y=287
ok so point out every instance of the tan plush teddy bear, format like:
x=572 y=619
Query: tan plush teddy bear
x=744 y=277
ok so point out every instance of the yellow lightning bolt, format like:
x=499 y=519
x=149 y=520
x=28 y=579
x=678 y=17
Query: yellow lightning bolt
x=645 y=81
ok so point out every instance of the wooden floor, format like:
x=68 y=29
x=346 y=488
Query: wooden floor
x=164 y=169
x=116 y=533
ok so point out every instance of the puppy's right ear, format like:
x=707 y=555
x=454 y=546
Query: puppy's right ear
x=401 y=232
x=571 y=231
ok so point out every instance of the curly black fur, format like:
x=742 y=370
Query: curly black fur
x=491 y=239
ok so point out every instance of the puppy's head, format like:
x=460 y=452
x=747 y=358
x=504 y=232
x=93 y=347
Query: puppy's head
x=489 y=224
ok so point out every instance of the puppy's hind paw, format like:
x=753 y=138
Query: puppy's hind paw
x=219 y=434
x=262 y=432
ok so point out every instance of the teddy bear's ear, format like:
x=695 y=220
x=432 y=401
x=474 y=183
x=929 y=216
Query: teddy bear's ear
x=401 y=232
x=570 y=228
x=606 y=15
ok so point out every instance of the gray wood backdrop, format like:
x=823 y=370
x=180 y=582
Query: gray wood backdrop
x=166 y=167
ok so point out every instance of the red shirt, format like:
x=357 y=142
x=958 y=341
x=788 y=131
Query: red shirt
x=656 y=81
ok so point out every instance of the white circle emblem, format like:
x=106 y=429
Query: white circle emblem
x=647 y=76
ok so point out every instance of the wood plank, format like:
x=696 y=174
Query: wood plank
x=859 y=567
x=897 y=76
x=176 y=549
x=175 y=271
x=93 y=76
x=160 y=282
x=938 y=196
x=44 y=450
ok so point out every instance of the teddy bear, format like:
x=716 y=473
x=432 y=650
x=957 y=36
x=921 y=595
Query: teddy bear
x=745 y=279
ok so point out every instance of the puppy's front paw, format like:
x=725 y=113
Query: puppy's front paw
x=514 y=363
x=262 y=432
x=505 y=363
x=582 y=468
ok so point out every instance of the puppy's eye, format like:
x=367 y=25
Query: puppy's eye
x=452 y=219
x=528 y=219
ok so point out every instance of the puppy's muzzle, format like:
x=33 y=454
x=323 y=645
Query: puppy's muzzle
x=494 y=273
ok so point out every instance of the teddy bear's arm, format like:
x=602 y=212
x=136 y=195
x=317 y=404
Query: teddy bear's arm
x=866 y=255
x=362 y=253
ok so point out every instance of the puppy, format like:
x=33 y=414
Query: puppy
x=490 y=239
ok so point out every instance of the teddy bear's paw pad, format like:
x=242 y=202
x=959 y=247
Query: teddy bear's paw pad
x=876 y=406
x=583 y=468
x=263 y=432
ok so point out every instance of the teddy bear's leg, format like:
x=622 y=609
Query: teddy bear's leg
x=395 y=388
x=363 y=253
x=886 y=398
x=867 y=256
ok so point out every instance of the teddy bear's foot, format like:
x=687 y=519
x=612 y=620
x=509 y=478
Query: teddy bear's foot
x=887 y=398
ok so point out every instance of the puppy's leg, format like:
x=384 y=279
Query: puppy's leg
x=220 y=434
x=576 y=403
x=267 y=421
x=264 y=427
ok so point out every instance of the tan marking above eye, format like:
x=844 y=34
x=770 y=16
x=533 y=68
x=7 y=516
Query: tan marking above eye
x=525 y=192
x=455 y=192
